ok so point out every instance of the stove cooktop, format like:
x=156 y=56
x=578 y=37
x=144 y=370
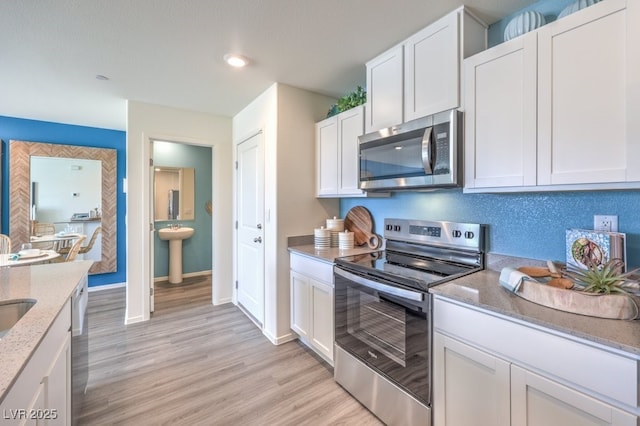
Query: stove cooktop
x=417 y=273
x=421 y=253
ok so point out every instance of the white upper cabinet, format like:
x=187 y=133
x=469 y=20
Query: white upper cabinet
x=581 y=97
x=350 y=126
x=421 y=76
x=337 y=155
x=327 y=157
x=553 y=109
x=384 y=90
x=500 y=138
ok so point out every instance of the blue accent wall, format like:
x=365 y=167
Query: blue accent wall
x=196 y=251
x=530 y=225
x=66 y=134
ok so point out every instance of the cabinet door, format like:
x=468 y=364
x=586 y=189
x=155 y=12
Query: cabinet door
x=58 y=385
x=322 y=318
x=384 y=90
x=350 y=126
x=37 y=405
x=471 y=387
x=327 y=157
x=538 y=401
x=500 y=116
x=582 y=97
x=432 y=69
x=300 y=315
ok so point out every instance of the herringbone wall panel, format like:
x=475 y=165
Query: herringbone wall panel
x=20 y=153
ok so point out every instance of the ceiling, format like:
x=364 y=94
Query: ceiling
x=170 y=52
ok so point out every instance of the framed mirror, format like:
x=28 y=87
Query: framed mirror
x=20 y=199
x=174 y=193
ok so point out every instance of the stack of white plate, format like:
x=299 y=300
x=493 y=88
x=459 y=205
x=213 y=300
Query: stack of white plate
x=322 y=238
x=345 y=240
x=335 y=225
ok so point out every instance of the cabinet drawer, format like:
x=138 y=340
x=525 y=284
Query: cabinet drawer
x=607 y=374
x=316 y=269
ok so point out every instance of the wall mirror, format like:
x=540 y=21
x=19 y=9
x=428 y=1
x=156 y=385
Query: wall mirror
x=21 y=194
x=174 y=193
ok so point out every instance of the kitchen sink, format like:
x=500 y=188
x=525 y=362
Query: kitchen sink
x=11 y=311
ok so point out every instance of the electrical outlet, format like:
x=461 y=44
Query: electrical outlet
x=605 y=223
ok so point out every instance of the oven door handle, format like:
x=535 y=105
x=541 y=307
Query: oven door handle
x=381 y=287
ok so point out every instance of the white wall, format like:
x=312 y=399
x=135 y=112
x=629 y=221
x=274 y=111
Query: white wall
x=287 y=116
x=146 y=122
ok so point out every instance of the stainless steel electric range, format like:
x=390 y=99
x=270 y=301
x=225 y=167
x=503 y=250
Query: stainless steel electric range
x=383 y=328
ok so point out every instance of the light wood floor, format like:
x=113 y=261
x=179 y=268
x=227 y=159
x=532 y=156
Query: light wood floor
x=194 y=363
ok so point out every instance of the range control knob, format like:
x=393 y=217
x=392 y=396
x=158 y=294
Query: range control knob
x=469 y=235
x=389 y=227
x=457 y=234
x=396 y=228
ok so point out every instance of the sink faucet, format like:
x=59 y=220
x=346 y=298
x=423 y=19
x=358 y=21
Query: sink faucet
x=175 y=226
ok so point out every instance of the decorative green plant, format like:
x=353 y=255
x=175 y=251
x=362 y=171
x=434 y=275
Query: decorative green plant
x=351 y=100
x=601 y=279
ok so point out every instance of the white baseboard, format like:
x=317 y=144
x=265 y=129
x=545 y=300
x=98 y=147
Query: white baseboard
x=106 y=287
x=279 y=340
x=187 y=275
x=133 y=320
x=223 y=301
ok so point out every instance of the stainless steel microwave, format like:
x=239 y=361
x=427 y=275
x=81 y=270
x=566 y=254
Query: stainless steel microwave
x=420 y=154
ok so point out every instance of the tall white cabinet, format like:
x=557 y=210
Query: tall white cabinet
x=421 y=75
x=492 y=370
x=550 y=109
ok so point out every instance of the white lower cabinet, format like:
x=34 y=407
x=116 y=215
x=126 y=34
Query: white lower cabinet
x=312 y=304
x=489 y=370
x=42 y=392
x=471 y=387
x=539 y=401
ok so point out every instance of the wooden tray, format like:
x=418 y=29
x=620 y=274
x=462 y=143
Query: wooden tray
x=614 y=306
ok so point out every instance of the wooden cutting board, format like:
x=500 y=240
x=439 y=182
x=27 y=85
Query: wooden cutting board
x=360 y=222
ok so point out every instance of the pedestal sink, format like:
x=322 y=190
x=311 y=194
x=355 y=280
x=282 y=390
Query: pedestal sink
x=175 y=237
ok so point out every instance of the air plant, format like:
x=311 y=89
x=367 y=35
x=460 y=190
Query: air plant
x=607 y=278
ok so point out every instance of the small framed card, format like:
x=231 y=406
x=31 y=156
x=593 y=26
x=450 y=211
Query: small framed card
x=586 y=247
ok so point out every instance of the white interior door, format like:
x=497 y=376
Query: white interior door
x=250 y=244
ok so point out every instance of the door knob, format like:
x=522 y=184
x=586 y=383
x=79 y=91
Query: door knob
x=259 y=226
x=257 y=240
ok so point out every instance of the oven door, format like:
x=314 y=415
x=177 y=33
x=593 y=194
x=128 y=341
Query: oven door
x=386 y=326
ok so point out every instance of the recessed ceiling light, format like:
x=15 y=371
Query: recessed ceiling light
x=236 y=61
x=101 y=77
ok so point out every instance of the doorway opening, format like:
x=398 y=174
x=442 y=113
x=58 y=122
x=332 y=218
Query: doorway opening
x=181 y=198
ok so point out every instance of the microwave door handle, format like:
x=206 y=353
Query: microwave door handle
x=426 y=151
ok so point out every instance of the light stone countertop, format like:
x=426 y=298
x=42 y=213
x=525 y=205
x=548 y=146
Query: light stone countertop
x=51 y=286
x=483 y=290
x=304 y=247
